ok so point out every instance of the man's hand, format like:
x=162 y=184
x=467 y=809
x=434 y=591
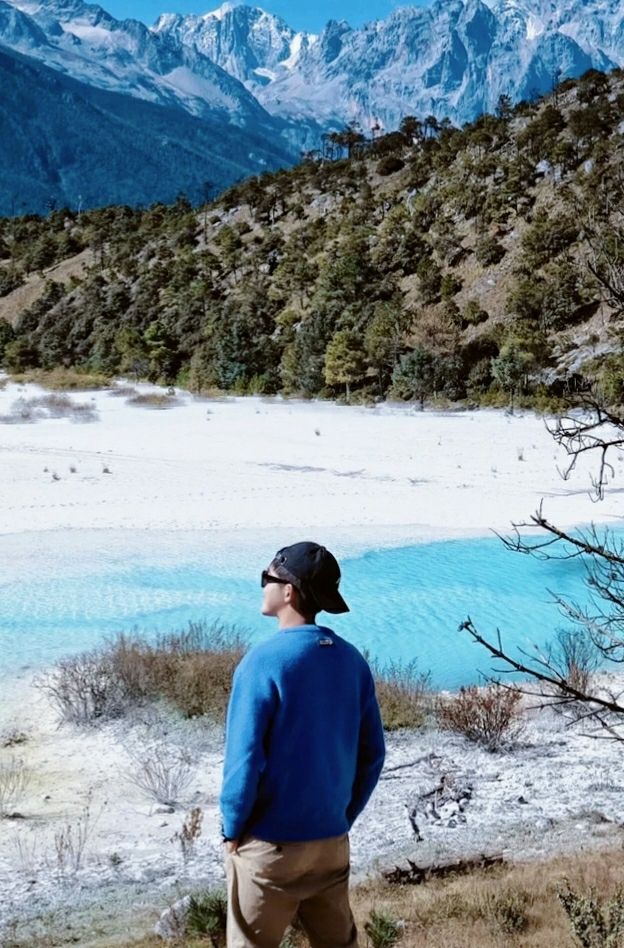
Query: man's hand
x=231 y=845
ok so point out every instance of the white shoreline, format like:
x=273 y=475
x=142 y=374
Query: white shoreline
x=243 y=467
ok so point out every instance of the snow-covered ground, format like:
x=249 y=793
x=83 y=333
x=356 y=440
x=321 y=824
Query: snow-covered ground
x=260 y=472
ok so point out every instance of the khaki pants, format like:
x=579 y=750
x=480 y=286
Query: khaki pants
x=271 y=883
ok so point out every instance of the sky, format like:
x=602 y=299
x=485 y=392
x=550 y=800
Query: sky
x=310 y=16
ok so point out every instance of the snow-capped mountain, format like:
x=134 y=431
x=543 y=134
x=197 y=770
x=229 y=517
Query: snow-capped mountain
x=84 y=41
x=247 y=42
x=105 y=111
x=453 y=58
x=241 y=68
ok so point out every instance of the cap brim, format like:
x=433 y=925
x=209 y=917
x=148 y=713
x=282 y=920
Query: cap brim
x=334 y=603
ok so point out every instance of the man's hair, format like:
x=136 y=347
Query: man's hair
x=307 y=603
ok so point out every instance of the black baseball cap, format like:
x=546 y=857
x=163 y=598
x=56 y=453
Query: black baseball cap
x=315 y=571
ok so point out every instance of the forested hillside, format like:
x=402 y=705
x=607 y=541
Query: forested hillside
x=476 y=263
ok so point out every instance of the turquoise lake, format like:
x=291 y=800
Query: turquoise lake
x=406 y=603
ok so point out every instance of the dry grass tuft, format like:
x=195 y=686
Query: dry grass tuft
x=508 y=907
x=192 y=670
x=496 y=908
x=63 y=380
x=14 y=780
x=403 y=693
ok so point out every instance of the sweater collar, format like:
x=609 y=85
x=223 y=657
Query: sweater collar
x=308 y=627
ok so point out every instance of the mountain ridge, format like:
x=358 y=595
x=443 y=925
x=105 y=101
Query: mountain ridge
x=288 y=89
x=447 y=59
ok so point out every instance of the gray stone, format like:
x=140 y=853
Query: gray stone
x=172 y=922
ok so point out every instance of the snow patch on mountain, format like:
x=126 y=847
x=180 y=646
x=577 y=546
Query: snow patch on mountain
x=221 y=11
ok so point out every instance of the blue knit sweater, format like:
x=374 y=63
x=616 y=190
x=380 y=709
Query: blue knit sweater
x=304 y=740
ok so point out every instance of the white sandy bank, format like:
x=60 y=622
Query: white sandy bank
x=377 y=475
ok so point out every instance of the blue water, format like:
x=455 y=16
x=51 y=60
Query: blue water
x=406 y=604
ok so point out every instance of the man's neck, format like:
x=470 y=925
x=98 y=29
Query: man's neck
x=292 y=619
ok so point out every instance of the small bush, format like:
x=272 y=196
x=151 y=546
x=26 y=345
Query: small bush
x=85 y=688
x=62 y=406
x=595 y=923
x=382 y=929
x=575 y=657
x=390 y=164
x=10 y=279
x=154 y=400
x=26 y=410
x=488 y=251
x=13 y=735
x=14 y=778
x=192 y=669
x=403 y=695
x=207 y=915
x=489 y=716
x=473 y=314
x=162 y=775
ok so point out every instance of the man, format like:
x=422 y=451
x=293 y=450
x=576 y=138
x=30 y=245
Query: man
x=304 y=750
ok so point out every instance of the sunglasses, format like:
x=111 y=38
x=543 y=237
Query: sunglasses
x=266 y=578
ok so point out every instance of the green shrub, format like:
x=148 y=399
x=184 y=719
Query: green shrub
x=207 y=915
x=450 y=285
x=548 y=235
x=389 y=164
x=10 y=279
x=595 y=923
x=382 y=929
x=473 y=314
x=610 y=378
x=488 y=251
x=430 y=279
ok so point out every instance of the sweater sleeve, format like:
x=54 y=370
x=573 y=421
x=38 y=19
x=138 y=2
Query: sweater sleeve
x=250 y=710
x=371 y=754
